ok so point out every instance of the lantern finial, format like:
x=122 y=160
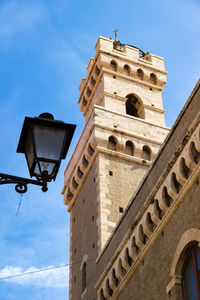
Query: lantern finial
x=46 y=116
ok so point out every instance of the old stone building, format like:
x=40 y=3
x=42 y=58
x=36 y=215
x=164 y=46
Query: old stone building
x=132 y=193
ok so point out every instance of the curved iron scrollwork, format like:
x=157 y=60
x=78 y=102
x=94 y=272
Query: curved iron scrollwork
x=21 y=188
x=119 y=46
x=21 y=183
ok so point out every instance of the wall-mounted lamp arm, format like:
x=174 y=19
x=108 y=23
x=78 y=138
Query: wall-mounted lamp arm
x=21 y=183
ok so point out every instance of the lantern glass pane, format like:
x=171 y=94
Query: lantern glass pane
x=189 y=282
x=29 y=150
x=45 y=166
x=48 y=142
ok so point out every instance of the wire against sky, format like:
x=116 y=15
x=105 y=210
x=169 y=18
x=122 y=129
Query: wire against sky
x=43 y=270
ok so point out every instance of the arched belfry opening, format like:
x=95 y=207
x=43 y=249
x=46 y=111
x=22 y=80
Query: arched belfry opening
x=134 y=106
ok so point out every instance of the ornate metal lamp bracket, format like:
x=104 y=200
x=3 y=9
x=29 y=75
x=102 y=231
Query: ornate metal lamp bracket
x=21 y=183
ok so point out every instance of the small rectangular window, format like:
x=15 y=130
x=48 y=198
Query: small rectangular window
x=121 y=210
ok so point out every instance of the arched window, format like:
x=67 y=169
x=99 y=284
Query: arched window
x=140 y=74
x=113 y=65
x=146 y=153
x=93 y=81
x=84 y=273
x=129 y=148
x=186 y=266
x=112 y=143
x=153 y=78
x=134 y=107
x=127 y=70
x=131 y=106
x=97 y=71
x=84 y=101
x=88 y=92
x=191 y=275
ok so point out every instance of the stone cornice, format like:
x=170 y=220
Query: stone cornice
x=85 y=99
x=173 y=184
x=128 y=134
x=133 y=79
x=112 y=73
x=75 y=190
x=94 y=139
x=123 y=156
x=139 y=62
x=184 y=141
x=90 y=164
x=132 y=117
x=105 y=93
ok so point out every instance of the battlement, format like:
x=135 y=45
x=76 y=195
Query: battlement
x=112 y=65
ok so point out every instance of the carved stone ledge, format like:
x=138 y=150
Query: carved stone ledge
x=179 y=179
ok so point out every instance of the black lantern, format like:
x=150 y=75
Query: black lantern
x=45 y=142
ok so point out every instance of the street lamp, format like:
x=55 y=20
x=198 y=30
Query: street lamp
x=44 y=141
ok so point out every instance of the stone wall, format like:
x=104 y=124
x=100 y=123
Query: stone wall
x=119 y=179
x=151 y=279
x=84 y=237
x=150 y=276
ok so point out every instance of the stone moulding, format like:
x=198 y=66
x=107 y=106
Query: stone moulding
x=180 y=175
x=102 y=63
x=84 y=165
x=93 y=140
x=189 y=236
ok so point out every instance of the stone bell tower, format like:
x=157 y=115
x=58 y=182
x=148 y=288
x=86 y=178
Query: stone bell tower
x=121 y=100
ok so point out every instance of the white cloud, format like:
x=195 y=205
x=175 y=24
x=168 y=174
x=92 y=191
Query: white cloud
x=55 y=278
x=16 y=19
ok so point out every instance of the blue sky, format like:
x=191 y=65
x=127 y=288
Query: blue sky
x=45 y=46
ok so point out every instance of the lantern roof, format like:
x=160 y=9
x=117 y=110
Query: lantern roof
x=46 y=120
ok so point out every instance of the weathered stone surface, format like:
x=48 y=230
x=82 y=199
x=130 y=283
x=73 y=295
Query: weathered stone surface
x=101 y=176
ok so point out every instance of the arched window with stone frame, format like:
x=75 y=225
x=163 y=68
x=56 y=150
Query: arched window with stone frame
x=113 y=65
x=129 y=148
x=134 y=106
x=140 y=74
x=146 y=153
x=112 y=143
x=185 y=268
x=84 y=274
x=153 y=78
x=191 y=274
x=127 y=70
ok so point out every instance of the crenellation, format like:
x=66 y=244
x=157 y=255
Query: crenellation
x=157 y=61
x=105 y=44
x=103 y=62
x=132 y=53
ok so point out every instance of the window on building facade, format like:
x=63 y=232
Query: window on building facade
x=127 y=70
x=113 y=65
x=191 y=275
x=140 y=74
x=146 y=153
x=153 y=78
x=112 y=144
x=129 y=148
x=132 y=104
x=84 y=269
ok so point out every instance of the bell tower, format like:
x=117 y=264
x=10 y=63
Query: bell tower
x=121 y=100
